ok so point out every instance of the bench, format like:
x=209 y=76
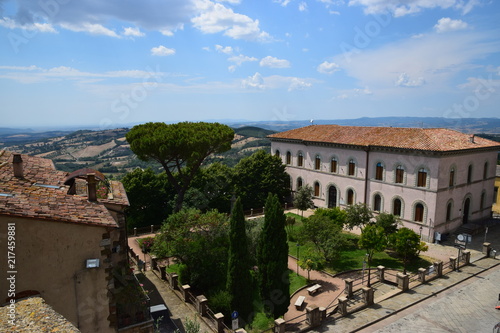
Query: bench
x=312 y=290
x=299 y=302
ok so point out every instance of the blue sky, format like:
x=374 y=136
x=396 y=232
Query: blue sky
x=115 y=63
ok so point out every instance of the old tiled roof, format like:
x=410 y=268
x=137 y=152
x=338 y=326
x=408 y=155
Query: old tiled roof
x=34 y=315
x=431 y=139
x=23 y=198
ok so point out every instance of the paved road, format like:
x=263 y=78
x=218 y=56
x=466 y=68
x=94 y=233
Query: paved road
x=468 y=307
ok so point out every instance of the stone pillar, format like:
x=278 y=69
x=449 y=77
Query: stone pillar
x=438 y=268
x=185 y=292
x=486 y=249
x=466 y=256
x=219 y=322
x=202 y=305
x=421 y=274
x=453 y=263
x=279 y=325
x=312 y=316
x=343 y=306
x=174 y=284
x=368 y=295
x=403 y=281
x=154 y=263
x=381 y=273
x=348 y=287
x=322 y=314
x=163 y=272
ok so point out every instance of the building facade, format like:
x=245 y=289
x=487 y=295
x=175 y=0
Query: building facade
x=65 y=237
x=434 y=179
x=496 y=195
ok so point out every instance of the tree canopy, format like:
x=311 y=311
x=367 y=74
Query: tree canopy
x=326 y=234
x=180 y=148
x=358 y=215
x=273 y=259
x=259 y=174
x=302 y=199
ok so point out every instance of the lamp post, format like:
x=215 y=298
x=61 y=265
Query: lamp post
x=298 y=252
x=421 y=232
x=406 y=253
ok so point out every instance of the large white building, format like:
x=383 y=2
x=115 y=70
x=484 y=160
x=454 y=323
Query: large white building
x=435 y=179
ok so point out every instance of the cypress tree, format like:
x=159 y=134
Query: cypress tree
x=273 y=259
x=239 y=281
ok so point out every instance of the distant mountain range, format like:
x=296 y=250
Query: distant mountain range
x=109 y=152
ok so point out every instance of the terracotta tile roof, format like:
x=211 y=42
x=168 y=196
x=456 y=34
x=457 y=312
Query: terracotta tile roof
x=22 y=197
x=34 y=315
x=432 y=139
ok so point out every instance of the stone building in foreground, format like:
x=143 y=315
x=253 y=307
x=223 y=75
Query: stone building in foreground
x=435 y=179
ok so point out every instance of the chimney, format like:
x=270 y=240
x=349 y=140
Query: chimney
x=17 y=163
x=471 y=138
x=91 y=187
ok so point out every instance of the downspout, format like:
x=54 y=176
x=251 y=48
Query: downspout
x=366 y=173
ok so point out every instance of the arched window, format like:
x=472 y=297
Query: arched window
x=422 y=178
x=396 y=207
x=350 y=197
x=300 y=159
x=377 y=203
x=485 y=171
x=299 y=183
x=333 y=165
x=469 y=174
x=379 y=171
x=452 y=177
x=400 y=173
x=449 y=208
x=288 y=157
x=277 y=153
x=419 y=212
x=316 y=189
x=317 y=162
x=351 y=167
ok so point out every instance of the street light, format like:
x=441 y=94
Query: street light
x=298 y=252
x=421 y=232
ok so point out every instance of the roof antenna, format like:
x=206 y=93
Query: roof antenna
x=312 y=121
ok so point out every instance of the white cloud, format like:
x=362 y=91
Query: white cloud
x=232 y=2
x=91 y=28
x=328 y=67
x=133 y=32
x=404 y=80
x=283 y=3
x=273 y=62
x=162 y=51
x=436 y=57
x=406 y=7
x=232 y=68
x=40 y=27
x=298 y=84
x=239 y=59
x=224 y=49
x=215 y=18
x=255 y=81
x=446 y=24
x=302 y=6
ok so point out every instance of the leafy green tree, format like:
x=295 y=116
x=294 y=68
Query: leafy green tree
x=239 y=280
x=289 y=223
x=199 y=241
x=211 y=188
x=388 y=222
x=325 y=234
x=373 y=239
x=357 y=215
x=303 y=198
x=406 y=243
x=336 y=215
x=311 y=261
x=148 y=195
x=259 y=174
x=180 y=149
x=273 y=259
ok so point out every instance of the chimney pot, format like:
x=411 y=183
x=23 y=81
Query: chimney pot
x=17 y=163
x=471 y=138
x=91 y=187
